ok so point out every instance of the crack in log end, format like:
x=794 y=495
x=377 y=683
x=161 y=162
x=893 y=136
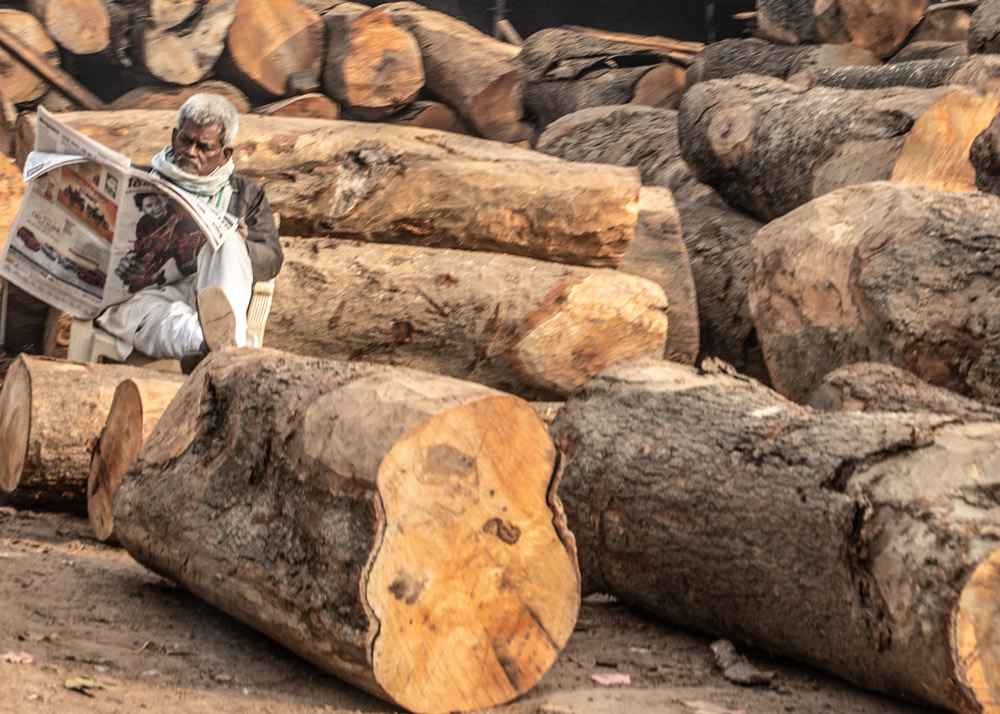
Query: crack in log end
x=362 y=171
x=871 y=604
x=406 y=588
x=507 y=532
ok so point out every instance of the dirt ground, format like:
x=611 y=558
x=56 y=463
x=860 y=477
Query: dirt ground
x=82 y=609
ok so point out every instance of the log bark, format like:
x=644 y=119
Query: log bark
x=732 y=57
x=864 y=544
x=398 y=184
x=876 y=387
x=430 y=115
x=944 y=22
x=51 y=413
x=980 y=71
x=930 y=50
x=167 y=97
x=467 y=70
x=535 y=329
x=311 y=106
x=372 y=66
x=879 y=25
x=843 y=279
x=18 y=82
x=717 y=237
x=807 y=142
x=985 y=158
x=269 y=41
x=78 y=26
x=984 y=28
x=136 y=407
x=184 y=51
x=326 y=496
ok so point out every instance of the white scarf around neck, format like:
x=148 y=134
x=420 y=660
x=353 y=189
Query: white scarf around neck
x=205 y=186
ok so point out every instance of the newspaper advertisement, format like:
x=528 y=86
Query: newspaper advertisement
x=92 y=230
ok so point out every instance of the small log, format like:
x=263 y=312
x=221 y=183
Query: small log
x=430 y=115
x=930 y=50
x=532 y=328
x=809 y=142
x=863 y=544
x=843 y=280
x=372 y=65
x=732 y=57
x=394 y=184
x=717 y=237
x=51 y=413
x=135 y=409
x=313 y=105
x=78 y=26
x=398 y=529
x=877 y=25
x=984 y=28
x=979 y=71
x=944 y=22
x=184 y=53
x=167 y=97
x=468 y=70
x=875 y=387
x=19 y=82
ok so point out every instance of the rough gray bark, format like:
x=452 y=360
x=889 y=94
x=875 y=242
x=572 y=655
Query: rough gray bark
x=843 y=540
x=882 y=272
x=985 y=158
x=918 y=73
x=984 y=28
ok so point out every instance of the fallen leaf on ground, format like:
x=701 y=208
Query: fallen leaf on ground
x=18 y=658
x=612 y=680
x=701 y=707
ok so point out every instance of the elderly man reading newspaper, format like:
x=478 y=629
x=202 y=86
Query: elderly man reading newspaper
x=205 y=309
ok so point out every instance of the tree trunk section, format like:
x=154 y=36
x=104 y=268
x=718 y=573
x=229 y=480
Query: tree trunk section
x=167 y=97
x=532 y=328
x=390 y=184
x=716 y=236
x=844 y=279
x=324 y=492
x=430 y=115
x=78 y=26
x=984 y=28
x=768 y=147
x=657 y=253
x=51 y=413
x=18 y=83
x=732 y=57
x=136 y=407
x=858 y=543
x=467 y=70
x=305 y=106
x=881 y=26
x=876 y=387
x=372 y=66
x=185 y=53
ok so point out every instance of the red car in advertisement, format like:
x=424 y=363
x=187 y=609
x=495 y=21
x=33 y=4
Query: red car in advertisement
x=29 y=238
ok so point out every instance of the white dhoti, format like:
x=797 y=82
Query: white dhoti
x=162 y=321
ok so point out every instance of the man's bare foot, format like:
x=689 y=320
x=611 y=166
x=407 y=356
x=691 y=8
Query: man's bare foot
x=218 y=321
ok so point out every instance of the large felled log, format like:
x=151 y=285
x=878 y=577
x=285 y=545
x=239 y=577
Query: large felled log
x=166 y=97
x=536 y=329
x=51 y=413
x=468 y=70
x=17 y=81
x=881 y=272
x=400 y=530
x=136 y=407
x=879 y=25
x=372 y=66
x=864 y=544
x=877 y=387
x=732 y=57
x=717 y=237
x=183 y=51
x=78 y=26
x=400 y=184
x=271 y=40
x=767 y=146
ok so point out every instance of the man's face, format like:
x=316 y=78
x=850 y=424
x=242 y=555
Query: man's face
x=155 y=205
x=198 y=149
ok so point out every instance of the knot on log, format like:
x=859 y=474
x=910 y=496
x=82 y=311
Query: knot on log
x=360 y=173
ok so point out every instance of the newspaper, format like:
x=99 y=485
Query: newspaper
x=92 y=230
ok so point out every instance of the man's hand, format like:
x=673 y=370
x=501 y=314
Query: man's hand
x=242 y=229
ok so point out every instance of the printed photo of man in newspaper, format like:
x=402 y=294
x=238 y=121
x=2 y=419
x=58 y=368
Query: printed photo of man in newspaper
x=164 y=232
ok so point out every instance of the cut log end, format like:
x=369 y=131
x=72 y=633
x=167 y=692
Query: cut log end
x=500 y=606
x=977 y=635
x=498 y=109
x=15 y=424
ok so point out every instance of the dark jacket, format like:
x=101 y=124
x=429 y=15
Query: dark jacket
x=250 y=204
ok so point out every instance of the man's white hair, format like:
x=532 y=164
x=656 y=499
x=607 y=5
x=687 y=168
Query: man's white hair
x=211 y=110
